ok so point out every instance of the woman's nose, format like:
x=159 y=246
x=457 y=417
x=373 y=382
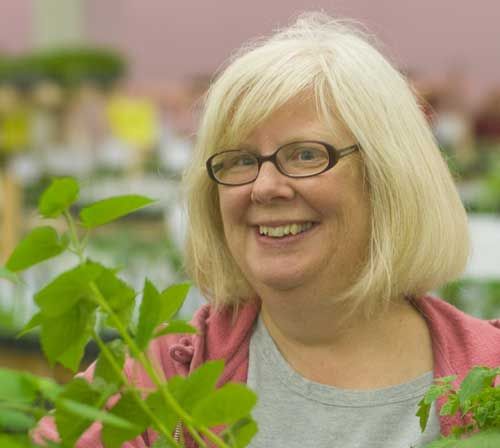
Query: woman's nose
x=271 y=185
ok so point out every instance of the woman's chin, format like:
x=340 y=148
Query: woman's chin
x=280 y=281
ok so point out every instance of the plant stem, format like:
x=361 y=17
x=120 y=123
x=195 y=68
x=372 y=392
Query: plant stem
x=146 y=363
x=74 y=236
x=85 y=240
x=118 y=370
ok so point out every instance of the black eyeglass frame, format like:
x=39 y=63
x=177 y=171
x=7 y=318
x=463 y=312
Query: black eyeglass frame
x=334 y=155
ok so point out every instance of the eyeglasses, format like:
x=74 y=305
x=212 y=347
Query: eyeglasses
x=298 y=159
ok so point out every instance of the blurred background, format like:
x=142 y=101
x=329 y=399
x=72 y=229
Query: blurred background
x=109 y=92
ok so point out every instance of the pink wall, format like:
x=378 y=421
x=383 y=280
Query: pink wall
x=171 y=38
x=15 y=26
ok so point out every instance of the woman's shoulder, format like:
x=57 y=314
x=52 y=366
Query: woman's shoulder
x=460 y=340
x=440 y=311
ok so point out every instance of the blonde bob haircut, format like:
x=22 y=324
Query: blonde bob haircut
x=419 y=237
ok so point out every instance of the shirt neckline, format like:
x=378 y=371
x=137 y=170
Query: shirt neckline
x=326 y=394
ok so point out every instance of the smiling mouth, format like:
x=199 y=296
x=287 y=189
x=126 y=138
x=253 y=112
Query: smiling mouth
x=282 y=231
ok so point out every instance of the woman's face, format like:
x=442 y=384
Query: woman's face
x=325 y=255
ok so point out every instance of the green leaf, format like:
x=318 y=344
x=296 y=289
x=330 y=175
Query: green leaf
x=198 y=385
x=15 y=421
x=64 y=337
x=187 y=391
x=159 y=308
x=244 y=433
x=16 y=386
x=176 y=386
x=8 y=275
x=451 y=406
x=164 y=413
x=226 y=405
x=111 y=209
x=118 y=295
x=177 y=326
x=15 y=441
x=172 y=299
x=149 y=315
x=475 y=381
x=126 y=409
x=47 y=387
x=60 y=295
x=24 y=388
x=34 y=322
x=241 y=433
x=423 y=413
x=77 y=407
x=40 y=244
x=94 y=414
x=162 y=442
x=59 y=196
x=104 y=369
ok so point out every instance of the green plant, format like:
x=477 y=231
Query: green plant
x=66 y=66
x=477 y=401
x=74 y=308
x=463 y=293
x=487 y=197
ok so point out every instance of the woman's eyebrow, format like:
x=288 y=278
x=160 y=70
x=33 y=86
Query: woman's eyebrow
x=316 y=136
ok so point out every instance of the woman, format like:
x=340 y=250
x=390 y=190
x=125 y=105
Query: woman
x=337 y=247
x=324 y=215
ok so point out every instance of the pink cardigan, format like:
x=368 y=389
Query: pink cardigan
x=459 y=342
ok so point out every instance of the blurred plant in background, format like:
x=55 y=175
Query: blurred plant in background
x=488 y=199
x=479 y=297
x=67 y=67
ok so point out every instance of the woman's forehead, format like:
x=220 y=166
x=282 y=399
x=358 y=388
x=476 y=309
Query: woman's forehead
x=296 y=120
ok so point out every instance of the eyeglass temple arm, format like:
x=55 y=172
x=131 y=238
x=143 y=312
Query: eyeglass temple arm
x=348 y=150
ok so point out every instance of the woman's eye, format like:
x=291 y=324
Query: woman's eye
x=245 y=161
x=305 y=154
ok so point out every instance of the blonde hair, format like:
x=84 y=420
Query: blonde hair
x=419 y=237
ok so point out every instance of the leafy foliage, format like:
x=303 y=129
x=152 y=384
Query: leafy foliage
x=71 y=310
x=442 y=386
x=477 y=400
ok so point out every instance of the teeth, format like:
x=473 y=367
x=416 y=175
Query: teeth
x=281 y=231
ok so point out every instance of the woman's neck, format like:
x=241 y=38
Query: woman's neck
x=315 y=345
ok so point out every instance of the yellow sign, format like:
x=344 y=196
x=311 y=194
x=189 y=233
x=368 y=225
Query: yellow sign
x=134 y=121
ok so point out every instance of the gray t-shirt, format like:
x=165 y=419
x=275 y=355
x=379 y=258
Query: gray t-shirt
x=294 y=412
